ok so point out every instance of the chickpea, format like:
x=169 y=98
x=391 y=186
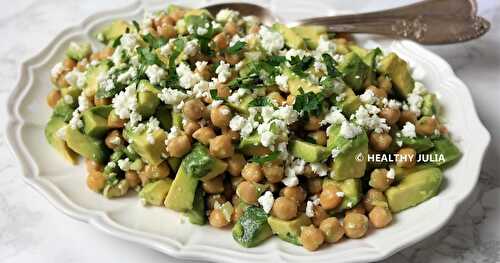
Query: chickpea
x=294 y=193
x=332 y=229
x=114 y=122
x=380 y=141
x=379 y=179
x=93 y=166
x=113 y=139
x=212 y=199
x=102 y=101
x=230 y=28
x=179 y=146
x=132 y=178
x=96 y=181
x=426 y=126
x=254 y=29
x=407 y=116
x=156 y=172
x=329 y=198
x=163 y=20
x=320 y=214
x=384 y=82
x=221 y=116
x=313 y=124
x=284 y=208
x=311 y=238
x=204 y=135
x=233 y=134
x=290 y=100
x=232 y=59
x=273 y=172
x=193 y=109
x=319 y=137
x=314 y=185
x=247 y=192
x=235 y=164
x=236 y=180
x=390 y=115
x=69 y=63
x=408 y=157
x=372 y=198
x=308 y=172
x=355 y=225
x=378 y=92
x=252 y=172
x=53 y=97
x=191 y=127
x=167 y=31
x=221 y=146
x=61 y=80
x=204 y=72
x=214 y=186
x=380 y=216
x=220 y=41
x=359 y=208
x=223 y=91
x=276 y=98
x=217 y=219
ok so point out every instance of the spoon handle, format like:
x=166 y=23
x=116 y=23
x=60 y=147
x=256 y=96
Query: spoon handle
x=427 y=22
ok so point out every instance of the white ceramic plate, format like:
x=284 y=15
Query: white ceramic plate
x=164 y=230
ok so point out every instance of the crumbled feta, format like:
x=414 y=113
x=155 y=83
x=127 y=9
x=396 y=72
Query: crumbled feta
x=166 y=49
x=201 y=65
x=349 y=130
x=127 y=76
x=334 y=116
x=340 y=194
x=236 y=96
x=271 y=41
x=76 y=79
x=214 y=104
x=128 y=41
x=201 y=89
x=223 y=72
x=192 y=47
x=68 y=99
x=325 y=45
x=391 y=174
x=266 y=201
x=394 y=104
x=83 y=103
x=335 y=152
x=75 y=121
x=282 y=81
x=367 y=116
x=187 y=79
x=125 y=102
x=201 y=31
x=319 y=169
x=124 y=164
x=408 y=130
x=61 y=132
x=171 y=96
x=116 y=140
x=290 y=180
x=368 y=97
x=286 y=113
x=225 y=15
x=155 y=74
x=57 y=70
x=295 y=53
x=310 y=209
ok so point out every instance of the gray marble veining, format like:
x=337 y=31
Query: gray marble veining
x=32 y=230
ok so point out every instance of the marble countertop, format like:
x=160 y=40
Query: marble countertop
x=33 y=230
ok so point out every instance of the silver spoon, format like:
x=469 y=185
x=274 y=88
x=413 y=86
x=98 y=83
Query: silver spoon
x=426 y=22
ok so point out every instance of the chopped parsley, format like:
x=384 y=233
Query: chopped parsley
x=266 y=158
x=237 y=47
x=260 y=102
x=309 y=103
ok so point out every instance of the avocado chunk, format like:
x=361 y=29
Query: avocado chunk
x=414 y=189
x=63 y=111
x=351 y=160
x=154 y=193
x=164 y=115
x=116 y=190
x=93 y=75
x=354 y=70
x=55 y=123
x=181 y=195
x=252 y=228
x=419 y=143
x=369 y=57
x=352 y=192
x=402 y=172
x=296 y=84
x=430 y=105
x=444 y=147
x=199 y=164
x=87 y=146
x=113 y=31
x=177 y=119
x=308 y=152
x=174 y=163
x=397 y=69
x=150 y=152
x=310 y=34
x=73 y=92
x=78 y=51
x=289 y=231
x=147 y=99
x=197 y=214
x=349 y=103
x=95 y=120
x=242 y=106
x=252 y=140
x=292 y=39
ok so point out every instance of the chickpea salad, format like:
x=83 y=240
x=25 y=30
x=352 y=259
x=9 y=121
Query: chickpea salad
x=264 y=129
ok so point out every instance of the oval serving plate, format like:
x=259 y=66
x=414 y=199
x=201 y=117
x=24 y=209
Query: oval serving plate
x=164 y=230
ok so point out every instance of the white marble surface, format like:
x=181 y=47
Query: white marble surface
x=31 y=230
